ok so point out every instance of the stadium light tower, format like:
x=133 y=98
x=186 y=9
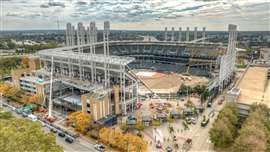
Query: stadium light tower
x=92 y=36
x=203 y=34
x=172 y=34
x=51 y=89
x=106 y=33
x=195 y=33
x=70 y=35
x=180 y=34
x=166 y=34
x=187 y=34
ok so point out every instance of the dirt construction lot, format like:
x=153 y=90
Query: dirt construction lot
x=168 y=82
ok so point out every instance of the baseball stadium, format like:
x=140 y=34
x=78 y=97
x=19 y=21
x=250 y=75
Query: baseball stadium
x=110 y=77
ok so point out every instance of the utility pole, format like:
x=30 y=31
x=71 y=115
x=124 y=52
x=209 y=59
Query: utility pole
x=50 y=100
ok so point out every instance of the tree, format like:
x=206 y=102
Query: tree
x=8 y=63
x=5 y=115
x=251 y=139
x=184 y=90
x=11 y=45
x=17 y=135
x=25 y=62
x=255 y=134
x=81 y=120
x=221 y=133
x=230 y=113
x=199 y=89
x=224 y=129
x=36 y=98
x=10 y=91
x=121 y=141
x=204 y=95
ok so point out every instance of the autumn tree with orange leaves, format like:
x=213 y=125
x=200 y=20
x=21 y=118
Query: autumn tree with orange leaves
x=10 y=91
x=36 y=98
x=25 y=62
x=81 y=120
x=121 y=141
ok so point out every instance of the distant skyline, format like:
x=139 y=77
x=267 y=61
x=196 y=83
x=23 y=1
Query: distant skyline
x=215 y=15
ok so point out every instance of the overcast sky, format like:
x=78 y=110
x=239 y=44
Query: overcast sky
x=136 y=14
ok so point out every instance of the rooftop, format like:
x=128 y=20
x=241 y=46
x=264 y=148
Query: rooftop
x=68 y=53
x=254 y=86
x=73 y=99
x=35 y=80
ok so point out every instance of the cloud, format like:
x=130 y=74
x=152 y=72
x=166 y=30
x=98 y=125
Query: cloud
x=81 y=3
x=44 y=6
x=12 y=14
x=60 y=4
x=140 y=12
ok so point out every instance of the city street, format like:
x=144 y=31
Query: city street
x=79 y=145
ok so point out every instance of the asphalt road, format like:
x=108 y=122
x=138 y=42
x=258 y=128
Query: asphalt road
x=79 y=145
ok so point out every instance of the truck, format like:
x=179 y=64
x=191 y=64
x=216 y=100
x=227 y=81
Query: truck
x=26 y=109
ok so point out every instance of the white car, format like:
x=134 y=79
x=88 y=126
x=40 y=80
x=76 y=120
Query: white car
x=193 y=120
x=99 y=147
x=32 y=117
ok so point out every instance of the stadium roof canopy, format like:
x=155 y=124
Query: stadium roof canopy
x=97 y=58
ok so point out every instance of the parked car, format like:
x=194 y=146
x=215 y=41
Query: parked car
x=53 y=130
x=212 y=114
x=169 y=149
x=99 y=147
x=205 y=122
x=24 y=114
x=193 y=120
x=209 y=104
x=158 y=145
x=69 y=140
x=61 y=134
x=188 y=120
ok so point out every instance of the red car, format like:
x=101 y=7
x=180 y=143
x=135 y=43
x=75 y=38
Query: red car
x=138 y=105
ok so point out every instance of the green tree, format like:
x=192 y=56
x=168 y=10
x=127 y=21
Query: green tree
x=18 y=135
x=221 y=133
x=204 y=95
x=254 y=135
x=11 y=45
x=5 y=115
x=224 y=129
x=184 y=90
x=7 y=64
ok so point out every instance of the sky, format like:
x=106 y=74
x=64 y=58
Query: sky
x=249 y=15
